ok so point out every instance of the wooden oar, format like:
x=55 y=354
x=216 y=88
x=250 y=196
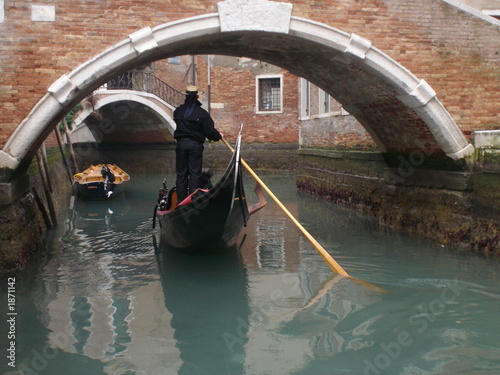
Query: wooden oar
x=327 y=257
x=324 y=254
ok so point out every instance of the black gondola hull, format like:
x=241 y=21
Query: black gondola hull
x=213 y=220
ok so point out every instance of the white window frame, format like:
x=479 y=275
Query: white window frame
x=322 y=99
x=176 y=60
x=257 y=93
x=305 y=99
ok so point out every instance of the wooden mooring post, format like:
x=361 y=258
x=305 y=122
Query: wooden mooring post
x=46 y=187
x=70 y=146
x=59 y=142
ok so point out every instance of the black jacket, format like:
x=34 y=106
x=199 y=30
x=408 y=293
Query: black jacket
x=194 y=122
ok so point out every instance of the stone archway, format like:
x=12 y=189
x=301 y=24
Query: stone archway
x=401 y=112
x=159 y=111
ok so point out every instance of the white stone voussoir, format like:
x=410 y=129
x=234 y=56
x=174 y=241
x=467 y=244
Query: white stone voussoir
x=422 y=94
x=255 y=15
x=7 y=161
x=63 y=89
x=177 y=31
x=143 y=40
x=402 y=80
x=28 y=132
x=444 y=129
x=358 y=46
x=95 y=69
x=319 y=33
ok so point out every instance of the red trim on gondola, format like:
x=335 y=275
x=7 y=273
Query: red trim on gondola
x=189 y=199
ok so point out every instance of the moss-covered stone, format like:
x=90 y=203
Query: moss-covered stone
x=441 y=205
x=22 y=223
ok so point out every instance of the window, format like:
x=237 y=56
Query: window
x=324 y=102
x=269 y=94
x=305 y=99
x=174 y=60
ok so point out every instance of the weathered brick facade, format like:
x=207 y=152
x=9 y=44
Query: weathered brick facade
x=382 y=59
x=334 y=128
x=455 y=52
x=232 y=95
x=233 y=101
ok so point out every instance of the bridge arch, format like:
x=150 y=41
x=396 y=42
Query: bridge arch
x=158 y=109
x=401 y=112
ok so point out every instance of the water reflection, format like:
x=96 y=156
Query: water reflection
x=104 y=300
x=90 y=210
x=207 y=297
x=296 y=309
x=270 y=243
x=99 y=297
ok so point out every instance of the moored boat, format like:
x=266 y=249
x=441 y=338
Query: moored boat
x=101 y=181
x=208 y=220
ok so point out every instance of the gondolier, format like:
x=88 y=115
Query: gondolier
x=194 y=124
x=212 y=219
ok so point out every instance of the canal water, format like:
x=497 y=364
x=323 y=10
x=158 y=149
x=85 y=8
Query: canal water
x=105 y=299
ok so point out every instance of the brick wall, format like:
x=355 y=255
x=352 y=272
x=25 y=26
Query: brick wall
x=177 y=75
x=233 y=96
x=456 y=53
x=233 y=101
x=334 y=129
x=35 y=54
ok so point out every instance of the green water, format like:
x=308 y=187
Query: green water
x=105 y=299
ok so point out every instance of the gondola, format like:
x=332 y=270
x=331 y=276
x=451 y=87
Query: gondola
x=101 y=181
x=207 y=220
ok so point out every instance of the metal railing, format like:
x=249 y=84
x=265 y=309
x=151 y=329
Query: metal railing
x=146 y=82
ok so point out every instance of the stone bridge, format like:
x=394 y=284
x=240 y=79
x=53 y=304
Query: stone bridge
x=417 y=75
x=143 y=117
x=420 y=76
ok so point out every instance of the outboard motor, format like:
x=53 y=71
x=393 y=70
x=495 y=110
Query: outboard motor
x=109 y=178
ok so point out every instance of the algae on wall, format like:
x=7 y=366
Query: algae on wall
x=440 y=205
x=23 y=223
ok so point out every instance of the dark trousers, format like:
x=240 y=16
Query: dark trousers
x=188 y=166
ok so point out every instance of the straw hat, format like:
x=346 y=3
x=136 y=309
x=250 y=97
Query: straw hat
x=191 y=90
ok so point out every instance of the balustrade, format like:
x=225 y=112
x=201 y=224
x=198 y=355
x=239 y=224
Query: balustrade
x=146 y=82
